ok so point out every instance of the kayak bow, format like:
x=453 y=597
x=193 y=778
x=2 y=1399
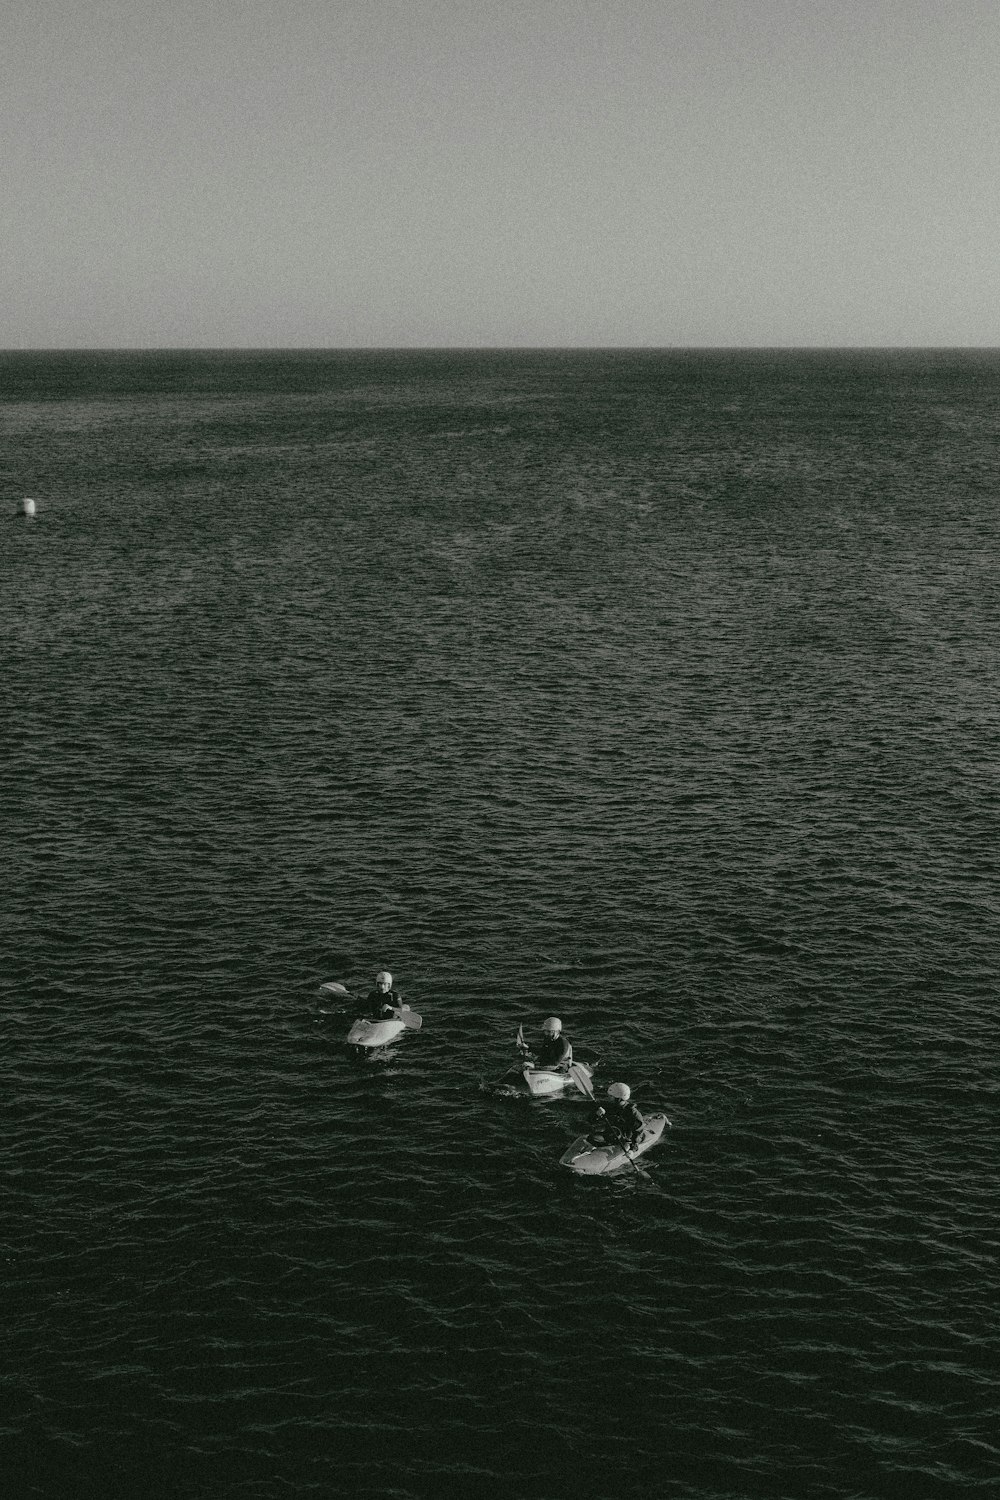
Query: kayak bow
x=370 y=1034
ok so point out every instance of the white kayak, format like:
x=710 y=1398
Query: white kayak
x=599 y=1161
x=544 y=1082
x=369 y=1034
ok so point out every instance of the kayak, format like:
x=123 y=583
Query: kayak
x=549 y=1083
x=600 y=1161
x=374 y=1033
x=367 y=1033
x=544 y=1082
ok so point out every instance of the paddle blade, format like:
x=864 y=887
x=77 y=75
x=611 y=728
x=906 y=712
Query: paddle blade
x=520 y=1039
x=409 y=1018
x=333 y=988
x=581 y=1078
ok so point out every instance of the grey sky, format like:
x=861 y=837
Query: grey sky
x=429 y=172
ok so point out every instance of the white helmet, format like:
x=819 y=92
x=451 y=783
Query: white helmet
x=384 y=977
x=620 y=1091
x=553 y=1026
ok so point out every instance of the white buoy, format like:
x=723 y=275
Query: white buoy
x=28 y=506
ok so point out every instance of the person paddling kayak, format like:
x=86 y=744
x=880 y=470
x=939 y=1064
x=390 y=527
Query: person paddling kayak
x=620 y=1118
x=383 y=999
x=554 y=1050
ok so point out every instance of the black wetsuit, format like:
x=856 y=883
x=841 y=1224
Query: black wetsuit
x=380 y=1003
x=554 y=1052
x=622 y=1119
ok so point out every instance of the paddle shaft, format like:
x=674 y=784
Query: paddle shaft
x=521 y=1046
x=632 y=1161
x=402 y=1013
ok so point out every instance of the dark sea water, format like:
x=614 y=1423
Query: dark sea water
x=656 y=691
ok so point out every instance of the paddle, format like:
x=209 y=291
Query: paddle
x=409 y=1018
x=631 y=1159
x=582 y=1080
x=333 y=988
x=404 y=1013
x=526 y=1058
x=522 y=1047
x=332 y=991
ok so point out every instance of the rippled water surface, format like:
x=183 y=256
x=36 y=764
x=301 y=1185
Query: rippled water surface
x=655 y=691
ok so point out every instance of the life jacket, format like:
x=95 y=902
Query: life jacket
x=623 y=1115
x=378 y=1002
x=553 y=1052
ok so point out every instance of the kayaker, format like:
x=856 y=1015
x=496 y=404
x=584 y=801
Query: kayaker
x=620 y=1117
x=382 y=1000
x=554 y=1050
